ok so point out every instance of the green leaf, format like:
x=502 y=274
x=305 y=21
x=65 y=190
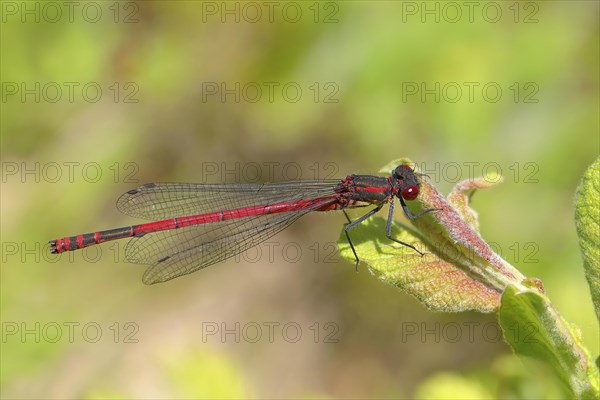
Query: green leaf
x=460 y=197
x=534 y=328
x=438 y=284
x=452 y=231
x=459 y=270
x=587 y=220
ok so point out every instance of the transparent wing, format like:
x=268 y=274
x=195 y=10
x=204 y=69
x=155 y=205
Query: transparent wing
x=156 y=201
x=182 y=251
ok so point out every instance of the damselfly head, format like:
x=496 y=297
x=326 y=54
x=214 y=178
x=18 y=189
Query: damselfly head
x=408 y=185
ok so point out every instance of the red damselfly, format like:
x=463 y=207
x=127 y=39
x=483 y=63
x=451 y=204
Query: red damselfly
x=201 y=224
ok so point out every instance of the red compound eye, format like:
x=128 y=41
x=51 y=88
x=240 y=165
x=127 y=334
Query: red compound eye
x=410 y=193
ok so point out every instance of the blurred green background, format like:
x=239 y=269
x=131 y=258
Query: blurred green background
x=354 y=85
